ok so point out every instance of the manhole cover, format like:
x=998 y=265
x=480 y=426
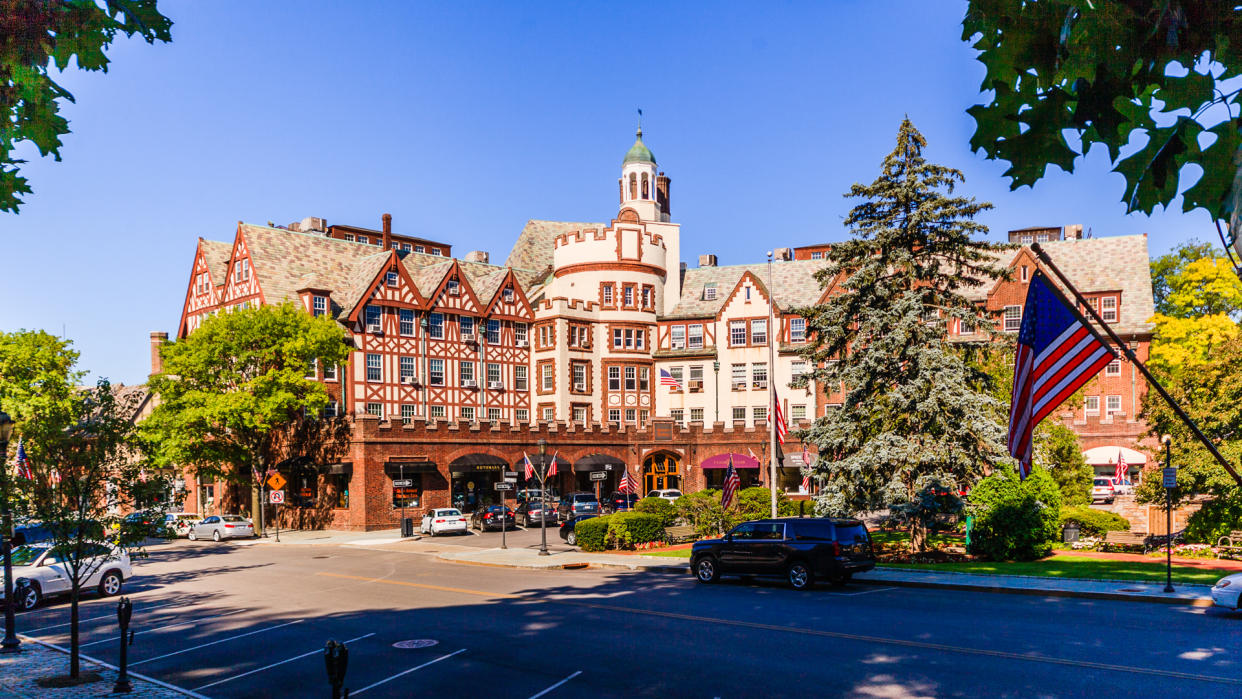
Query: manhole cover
x=416 y=643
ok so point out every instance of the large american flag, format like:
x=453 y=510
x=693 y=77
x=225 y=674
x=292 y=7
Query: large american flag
x=806 y=464
x=731 y=485
x=530 y=468
x=1123 y=469
x=781 y=428
x=666 y=379
x=627 y=484
x=1058 y=352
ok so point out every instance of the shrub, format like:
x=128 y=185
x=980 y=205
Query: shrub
x=1216 y=519
x=625 y=529
x=665 y=510
x=1015 y=520
x=592 y=532
x=1094 y=522
x=702 y=511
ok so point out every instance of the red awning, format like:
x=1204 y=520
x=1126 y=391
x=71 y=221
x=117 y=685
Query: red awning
x=722 y=461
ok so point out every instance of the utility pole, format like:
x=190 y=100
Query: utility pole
x=771 y=386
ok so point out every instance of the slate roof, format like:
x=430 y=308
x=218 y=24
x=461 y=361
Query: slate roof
x=793 y=283
x=533 y=249
x=1117 y=263
x=284 y=260
x=217 y=255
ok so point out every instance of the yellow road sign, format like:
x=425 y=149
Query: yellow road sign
x=276 y=482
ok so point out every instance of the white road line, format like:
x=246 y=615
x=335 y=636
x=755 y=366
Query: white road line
x=268 y=667
x=97 y=618
x=110 y=666
x=165 y=628
x=406 y=672
x=549 y=689
x=223 y=640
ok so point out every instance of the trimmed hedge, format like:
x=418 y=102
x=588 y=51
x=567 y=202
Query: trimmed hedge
x=591 y=533
x=625 y=529
x=665 y=510
x=1094 y=522
x=1015 y=520
x=702 y=509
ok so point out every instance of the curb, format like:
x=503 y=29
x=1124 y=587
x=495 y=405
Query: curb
x=114 y=668
x=1114 y=596
x=576 y=565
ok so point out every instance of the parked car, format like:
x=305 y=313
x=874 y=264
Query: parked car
x=1121 y=487
x=1102 y=490
x=35 y=533
x=531 y=511
x=798 y=550
x=179 y=523
x=493 y=517
x=536 y=494
x=567 y=528
x=620 y=502
x=578 y=504
x=41 y=571
x=444 y=520
x=217 y=527
x=1227 y=590
x=670 y=494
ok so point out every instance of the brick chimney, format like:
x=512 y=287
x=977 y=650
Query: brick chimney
x=387 y=231
x=157 y=341
x=707 y=260
x=477 y=256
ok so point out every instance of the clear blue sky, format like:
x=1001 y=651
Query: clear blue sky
x=466 y=119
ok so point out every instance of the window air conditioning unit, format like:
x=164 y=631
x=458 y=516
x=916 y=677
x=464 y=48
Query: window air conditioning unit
x=495 y=385
x=696 y=385
x=454 y=290
x=522 y=343
x=374 y=330
x=580 y=387
x=467 y=337
x=409 y=380
x=469 y=383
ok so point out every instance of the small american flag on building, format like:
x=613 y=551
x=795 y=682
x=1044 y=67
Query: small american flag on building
x=1123 y=469
x=806 y=464
x=627 y=484
x=731 y=485
x=530 y=468
x=666 y=379
x=23 y=465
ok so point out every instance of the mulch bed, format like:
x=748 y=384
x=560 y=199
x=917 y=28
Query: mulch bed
x=934 y=556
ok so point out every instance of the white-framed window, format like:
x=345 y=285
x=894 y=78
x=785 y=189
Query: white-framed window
x=1112 y=404
x=739 y=377
x=1091 y=405
x=373 y=316
x=797 y=329
x=578 y=371
x=739 y=413
x=614 y=378
x=436 y=252
x=521 y=415
x=493 y=373
x=677 y=373
x=678 y=415
x=419 y=248
x=759 y=375
x=329 y=373
x=709 y=292
x=493 y=414
x=817 y=255
x=747 y=290
x=467 y=412
x=407 y=321
x=797 y=412
x=376 y=409
x=493 y=332
x=546 y=378
x=407 y=413
x=1026 y=273
x=694 y=336
x=436 y=411
x=677 y=336
x=375 y=367
x=519 y=377
x=631 y=415
x=313 y=372
x=549 y=414
x=465 y=325
x=349 y=237
x=364 y=239
x=644 y=378
x=465 y=371
x=1026 y=238
x=696 y=377
x=606 y=298
x=519 y=332
x=627 y=295
x=614 y=415
x=759 y=331
x=407 y=368
x=580 y=414
x=435 y=371
x=453 y=287
x=435 y=326
x=631 y=378
x=760 y=412
x=507 y=295
x=405 y=247
x=391 y=278
x=1113 y=368
x=737 y=333
x=797 y=367
x=332 y=409
x=1108 y=309
x=696 y=415
x=319 y=306
x=1013 y=319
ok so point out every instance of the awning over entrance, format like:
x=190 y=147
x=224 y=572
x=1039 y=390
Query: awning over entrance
x=722 y=461
x=599 y=462
x=398 y=468
x=1103 y=456
x=541 y=461
x=471 y=463
x=337 y=469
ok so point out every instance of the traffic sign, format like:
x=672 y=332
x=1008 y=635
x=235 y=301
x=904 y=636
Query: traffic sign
x=407 y=483
x=504 y=486
x=276 y=482
x=1170 y=477
x=276 y=497
x=511 y=476
x=599 y=475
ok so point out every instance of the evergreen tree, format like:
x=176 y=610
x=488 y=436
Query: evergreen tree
x=916 y=408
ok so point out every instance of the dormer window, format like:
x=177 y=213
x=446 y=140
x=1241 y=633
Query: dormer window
x=453 y=288
x=405 y=247
x=391 y=278
x=349 y=237
x=364 y=239
x=1108 y=309
x=373 y=315
x=709 y=292
x=319 y=306
x=507 y=294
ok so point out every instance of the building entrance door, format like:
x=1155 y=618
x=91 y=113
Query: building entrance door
x=661 y=472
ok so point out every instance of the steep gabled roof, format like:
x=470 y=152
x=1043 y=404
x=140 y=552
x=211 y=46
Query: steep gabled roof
x=533 y=249
x=793 y=285
x=361 y=280
x=284 y=261
x=216 y=255
x=1119 y=263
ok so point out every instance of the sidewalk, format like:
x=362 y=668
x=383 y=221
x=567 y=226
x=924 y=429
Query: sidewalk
x=329 y=537
x=1130 y=591
x=21 y=672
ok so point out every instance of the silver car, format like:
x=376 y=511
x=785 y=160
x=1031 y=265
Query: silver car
x=219 y=527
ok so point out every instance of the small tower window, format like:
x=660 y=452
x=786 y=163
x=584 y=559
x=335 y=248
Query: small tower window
x=633 y=186
x=645 y=190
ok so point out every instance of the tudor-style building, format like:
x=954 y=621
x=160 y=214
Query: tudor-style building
x=458 y=366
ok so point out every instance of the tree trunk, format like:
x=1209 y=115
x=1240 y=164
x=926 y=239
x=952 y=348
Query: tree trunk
x=918 y=537
x=74 y=649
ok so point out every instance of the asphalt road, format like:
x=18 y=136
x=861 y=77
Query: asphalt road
x=233 y=620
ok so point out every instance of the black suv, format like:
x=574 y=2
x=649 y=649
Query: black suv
x=797 y=549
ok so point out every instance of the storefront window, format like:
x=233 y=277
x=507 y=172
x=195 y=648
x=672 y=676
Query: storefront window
x=338 y=489
x=407 y=495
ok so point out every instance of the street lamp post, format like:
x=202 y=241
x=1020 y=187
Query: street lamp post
x=716 y=368
x=11 y=644
x=543 y=491
x=1168 y=517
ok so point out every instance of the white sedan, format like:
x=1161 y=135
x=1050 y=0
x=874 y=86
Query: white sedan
x=219 y=527
x=41 y=571
x=448 y=519
x=1226 y=591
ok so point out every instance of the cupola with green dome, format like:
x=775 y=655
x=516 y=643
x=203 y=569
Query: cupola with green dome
x=639 y=153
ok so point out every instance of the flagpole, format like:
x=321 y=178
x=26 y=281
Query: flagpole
x=772 y=335
x=1125 y=348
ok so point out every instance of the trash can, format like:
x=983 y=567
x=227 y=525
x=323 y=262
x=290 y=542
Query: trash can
x=1069 y=534
x=407 y=526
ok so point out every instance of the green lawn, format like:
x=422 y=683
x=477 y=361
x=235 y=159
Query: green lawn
x=675 y=553
x=1076 y=567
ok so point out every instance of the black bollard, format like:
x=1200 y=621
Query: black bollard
x=124 y=610
x=336 y=658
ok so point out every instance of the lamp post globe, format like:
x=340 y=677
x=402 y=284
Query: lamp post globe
x=543 y=493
